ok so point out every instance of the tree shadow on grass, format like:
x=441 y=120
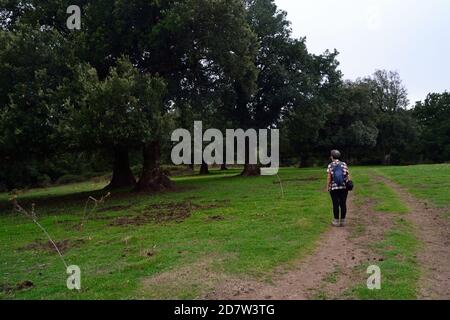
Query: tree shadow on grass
x=47 y=203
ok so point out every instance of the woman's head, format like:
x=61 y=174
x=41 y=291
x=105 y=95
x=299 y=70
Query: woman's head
x=335 y=155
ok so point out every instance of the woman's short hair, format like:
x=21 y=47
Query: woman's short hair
x=336 y=154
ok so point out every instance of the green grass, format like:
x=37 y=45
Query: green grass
x=428 y=182
x=399 y=269
x=333 y=276
x=241 y=227
x=368 y=187
x=257 y=231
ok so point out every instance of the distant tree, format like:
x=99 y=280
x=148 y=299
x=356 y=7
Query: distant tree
x=318 y=93
x=204 y=49
x=396 y=126
x=388 y=92
x=110 y=29
x=398 y=141
x=291 y=82
x=118 y=113
x=351 y=125
x=370 y=122
x=433 y=115
x=35 y=73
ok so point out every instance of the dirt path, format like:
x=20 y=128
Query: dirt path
x=325 y=273
x=433 y=230
x=298 y=283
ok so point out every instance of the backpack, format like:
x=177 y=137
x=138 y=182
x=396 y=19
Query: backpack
x=338 y=175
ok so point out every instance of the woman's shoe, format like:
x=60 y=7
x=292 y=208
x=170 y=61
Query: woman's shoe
x=342 y=222
x=335 y=223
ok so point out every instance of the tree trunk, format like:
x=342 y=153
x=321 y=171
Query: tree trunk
x=192 y=166
x=152 y=177
x=387 y=159
x=223 y=166
x=204 y=168
x=122 y=176
x=305 y=161
x=251 y=170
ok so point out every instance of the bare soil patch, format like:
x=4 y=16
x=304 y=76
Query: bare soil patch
x=114 y=208
x=63 y=245
x=23 y=285
x=216 y=218
x=201 y=275
x=164 y=212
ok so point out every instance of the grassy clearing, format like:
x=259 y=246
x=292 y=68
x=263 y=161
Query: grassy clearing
x=385 y=199
x=244 y=221
x=399 y=268
x=428 y=182
x=228 y=226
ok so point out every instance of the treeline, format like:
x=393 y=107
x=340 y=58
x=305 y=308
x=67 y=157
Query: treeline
x=107 y=96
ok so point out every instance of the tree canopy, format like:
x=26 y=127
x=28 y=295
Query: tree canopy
x=136 y=70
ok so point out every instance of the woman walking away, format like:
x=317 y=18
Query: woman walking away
x=337 y=178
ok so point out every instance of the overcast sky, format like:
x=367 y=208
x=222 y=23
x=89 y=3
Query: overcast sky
x=408 y=36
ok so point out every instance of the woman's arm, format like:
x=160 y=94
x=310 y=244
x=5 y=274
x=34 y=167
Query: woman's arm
x=328 y=182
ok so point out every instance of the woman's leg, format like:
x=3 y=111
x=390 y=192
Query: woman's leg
x=335 y=198
x=343 y=203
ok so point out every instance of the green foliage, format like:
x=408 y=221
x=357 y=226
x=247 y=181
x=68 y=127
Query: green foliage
x=294 y=87
x=434 y=116
x=352 y=122
x=291 y=81
x=139 y=68
x=124 y=109
x=204 y=50
x=398 y=141
x=369 y=122
x=35 y=67
x=388 y=92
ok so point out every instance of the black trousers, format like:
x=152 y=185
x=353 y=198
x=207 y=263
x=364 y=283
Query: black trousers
x=339 y=198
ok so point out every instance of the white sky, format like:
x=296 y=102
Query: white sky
x=408 y=36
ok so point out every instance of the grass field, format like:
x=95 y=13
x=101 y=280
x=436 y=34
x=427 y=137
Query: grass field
x=243 y=221
x=427 y=182
x=369 y=188
x=238 y=226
